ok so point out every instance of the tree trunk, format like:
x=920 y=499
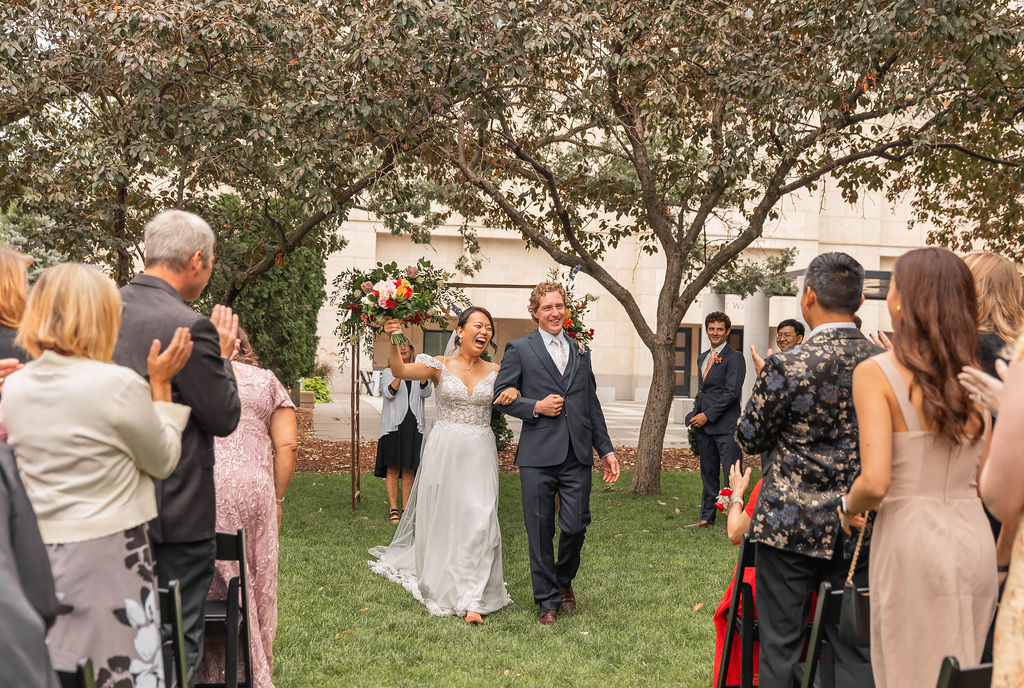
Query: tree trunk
x=647 y=475
x=124 y=260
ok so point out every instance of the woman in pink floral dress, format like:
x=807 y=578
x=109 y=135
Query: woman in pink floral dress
x=253 y=468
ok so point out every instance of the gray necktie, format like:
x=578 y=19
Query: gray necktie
x=559 y=356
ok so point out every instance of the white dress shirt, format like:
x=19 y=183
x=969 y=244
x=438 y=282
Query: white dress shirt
x=549 y=344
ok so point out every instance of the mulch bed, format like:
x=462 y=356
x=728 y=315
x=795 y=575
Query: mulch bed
x=324 y=456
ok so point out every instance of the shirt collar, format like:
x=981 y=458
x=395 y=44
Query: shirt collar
x=548 y=337
x=830 y=326
x=717 y=350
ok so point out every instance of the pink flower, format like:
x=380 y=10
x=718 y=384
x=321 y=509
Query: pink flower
x=366 y=286
x=412 y=271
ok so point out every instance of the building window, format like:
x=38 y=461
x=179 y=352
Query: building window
x=434 y=341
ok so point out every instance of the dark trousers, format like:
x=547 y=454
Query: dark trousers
x=785 y=581
x=191 y=564
x=570 y=480
x=717 y=453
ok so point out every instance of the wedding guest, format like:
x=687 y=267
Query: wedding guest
x=88 y=476
x=716 y=410
x=1000 y=305
x=178 y=260
x=253 y=468
x=788 y=334
x=737 y=524
x=13 y=293
x=801 y=408
x=921 y=440
x=401 y=432
x=1002 y=487
x=28 y=601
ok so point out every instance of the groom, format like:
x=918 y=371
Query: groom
x=562 y=425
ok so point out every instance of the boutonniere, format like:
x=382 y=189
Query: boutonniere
x=581 y=348
x=718 y=359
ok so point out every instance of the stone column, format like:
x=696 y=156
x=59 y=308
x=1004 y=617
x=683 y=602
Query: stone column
x=755 y=332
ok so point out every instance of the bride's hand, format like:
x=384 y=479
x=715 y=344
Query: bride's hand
x=393 y=326
x=507 y=396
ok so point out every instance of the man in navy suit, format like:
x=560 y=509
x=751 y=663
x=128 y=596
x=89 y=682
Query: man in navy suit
x=716 y=411
x=562 y=426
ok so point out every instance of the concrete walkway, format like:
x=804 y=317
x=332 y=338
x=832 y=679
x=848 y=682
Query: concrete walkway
x=332 y=421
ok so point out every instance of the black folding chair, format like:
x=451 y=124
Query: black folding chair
x=952 y=676
x=83 y=677
x=743 y=623
x=170 y=614
x=229 y=619
x=819 y=650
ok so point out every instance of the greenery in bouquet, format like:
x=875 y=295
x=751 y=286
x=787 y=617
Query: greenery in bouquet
x=575 y=310
x=415 y=294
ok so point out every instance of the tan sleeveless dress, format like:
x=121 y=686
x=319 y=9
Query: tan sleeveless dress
x=933 y=561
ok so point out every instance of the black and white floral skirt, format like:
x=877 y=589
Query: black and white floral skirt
x=109 y=611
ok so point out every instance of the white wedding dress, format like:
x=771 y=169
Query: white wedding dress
x=447 y=549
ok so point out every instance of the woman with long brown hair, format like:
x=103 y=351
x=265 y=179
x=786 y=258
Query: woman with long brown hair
x=932 y=572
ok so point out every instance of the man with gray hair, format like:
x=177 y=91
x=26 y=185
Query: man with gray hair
x=801 y=411
x=178 y=262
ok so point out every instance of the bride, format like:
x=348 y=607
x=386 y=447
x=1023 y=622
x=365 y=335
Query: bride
x=447 y=549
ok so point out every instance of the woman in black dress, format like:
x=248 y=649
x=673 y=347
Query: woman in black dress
x=401 y=432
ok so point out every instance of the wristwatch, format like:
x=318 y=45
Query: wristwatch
x=842 y=505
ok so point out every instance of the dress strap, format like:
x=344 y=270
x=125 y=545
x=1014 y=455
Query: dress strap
x=899 y=390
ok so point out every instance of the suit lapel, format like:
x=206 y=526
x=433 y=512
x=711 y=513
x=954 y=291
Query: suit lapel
x=537 y=344
x=572 y=364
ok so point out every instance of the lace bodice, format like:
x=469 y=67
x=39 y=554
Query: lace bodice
x=455 y=403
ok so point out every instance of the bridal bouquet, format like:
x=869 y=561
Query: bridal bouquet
x=414 y=294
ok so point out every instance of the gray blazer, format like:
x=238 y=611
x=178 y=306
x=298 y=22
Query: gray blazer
x=153 y=309
x=544 y=441
x=396 y=405
x=28 y=602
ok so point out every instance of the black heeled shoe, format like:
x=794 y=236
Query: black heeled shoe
x=394 y=516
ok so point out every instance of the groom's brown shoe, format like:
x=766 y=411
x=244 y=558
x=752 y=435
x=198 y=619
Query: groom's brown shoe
x=568 y=600
x=548 y=617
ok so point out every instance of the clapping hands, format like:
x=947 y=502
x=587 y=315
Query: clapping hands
x=984 y=388
x=226 y=323
x=758 y=361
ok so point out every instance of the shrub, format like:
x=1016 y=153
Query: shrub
x=279 y=308
x=503 y=435
x=691 y=433
x=318 y=386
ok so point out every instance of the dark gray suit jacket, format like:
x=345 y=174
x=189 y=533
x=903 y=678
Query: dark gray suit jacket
x=720 y=392
x=28 y=602
x=544 y=441
x=153 y=309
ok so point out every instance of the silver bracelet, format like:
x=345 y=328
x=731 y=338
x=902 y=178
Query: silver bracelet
x=736 y=500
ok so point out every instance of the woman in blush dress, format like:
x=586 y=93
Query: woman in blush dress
x=447 y=549
x=933 y=562
x=254 y=465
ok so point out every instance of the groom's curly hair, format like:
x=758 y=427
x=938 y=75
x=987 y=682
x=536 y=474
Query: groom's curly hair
x=538 y=293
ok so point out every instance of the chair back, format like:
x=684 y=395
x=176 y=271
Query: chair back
x=229 y=618
x=171 y=614
x=740 y=589
x=82 y=677
x=826 y=613
x=952 y=676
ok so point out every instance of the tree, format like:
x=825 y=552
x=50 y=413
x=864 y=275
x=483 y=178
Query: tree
x=279 y=310
x=582 y=125
x=110 y=113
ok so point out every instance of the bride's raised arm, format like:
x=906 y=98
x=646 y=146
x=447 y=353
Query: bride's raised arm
x=407 y=371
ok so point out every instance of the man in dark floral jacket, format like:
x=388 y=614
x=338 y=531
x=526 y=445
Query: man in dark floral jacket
x=801 y=410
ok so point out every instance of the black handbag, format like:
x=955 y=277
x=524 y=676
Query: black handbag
x=855 y=611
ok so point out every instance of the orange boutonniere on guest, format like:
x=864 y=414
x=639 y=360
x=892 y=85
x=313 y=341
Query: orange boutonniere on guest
x=718 y=359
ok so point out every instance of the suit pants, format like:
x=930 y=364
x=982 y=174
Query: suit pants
x=717 y=453
x=784 y=583
x=571 y=481
x=190 y=563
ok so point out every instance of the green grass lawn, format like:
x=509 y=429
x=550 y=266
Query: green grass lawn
x=646 y=591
